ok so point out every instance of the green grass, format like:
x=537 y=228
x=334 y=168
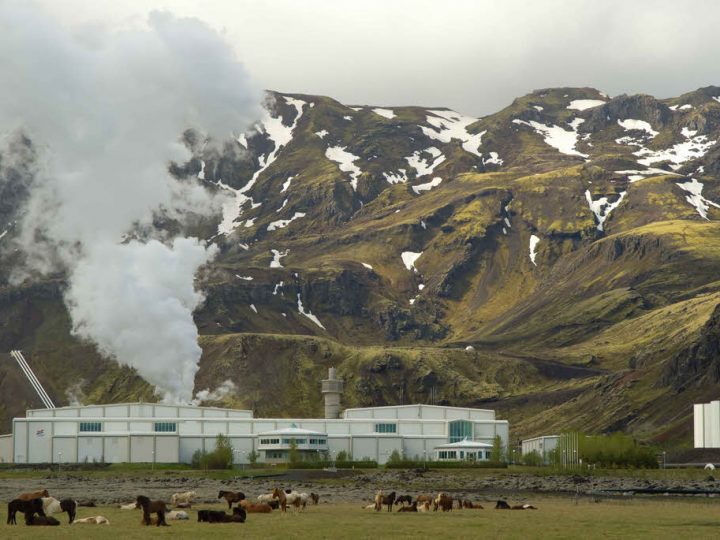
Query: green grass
x=555 y=518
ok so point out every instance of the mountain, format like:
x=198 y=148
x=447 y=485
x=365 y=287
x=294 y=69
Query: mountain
x=557 y=261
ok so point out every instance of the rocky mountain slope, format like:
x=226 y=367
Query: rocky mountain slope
x=557 y=261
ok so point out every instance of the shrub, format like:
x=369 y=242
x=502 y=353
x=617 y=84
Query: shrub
x=220 y=458
x=532 y=459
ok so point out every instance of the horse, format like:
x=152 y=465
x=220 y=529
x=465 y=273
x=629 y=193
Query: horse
x=410 y=508
x=33 y=495
x=381 y=500
x=177 y=514
x=256 y=508
x=315 y=498
x=424 y=507
x=32 y=507
x=40 y=520
x=149 y=507
x=211 y=516
x=52 y=506
x=444 y=502
x=129 y=506
x=523 y=507
x=265 y=498
x=182 y=498
x=402 y=499
x=280 y=495
x=231 y=497
x=502 y=505
x=423 y=498
x=471 y=505
x=95 y=520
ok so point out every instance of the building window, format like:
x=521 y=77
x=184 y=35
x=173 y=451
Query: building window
x=385 y=428
x=318 y=441
x=165 y=427
x=269 y=441
x=90 y=426
x=460 y=429
x=274 y=455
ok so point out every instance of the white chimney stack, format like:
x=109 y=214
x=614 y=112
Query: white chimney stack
x=332 y=389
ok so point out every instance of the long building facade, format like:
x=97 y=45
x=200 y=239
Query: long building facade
x=706 y=418
x=157 y=433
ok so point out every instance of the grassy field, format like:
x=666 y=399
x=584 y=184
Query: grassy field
x=555 y=518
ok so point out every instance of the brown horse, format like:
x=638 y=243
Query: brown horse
x=444 y=502
x=471 y=505
x=41 y=520
x=381 y=500
x=410 y=508
x=231 y=497
x=148 y=507
x=33 y=495
x=279 y=494
x=256 y=508
x=315 y=498
x=502 y=505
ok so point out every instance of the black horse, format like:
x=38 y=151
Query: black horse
x=29 y=508
x=149 y=507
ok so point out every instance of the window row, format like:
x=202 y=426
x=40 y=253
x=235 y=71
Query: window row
x=385 y=428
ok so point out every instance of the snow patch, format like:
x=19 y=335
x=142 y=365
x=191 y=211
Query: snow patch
x=280 y=135
x=284 y=204
x=562 y=140
x=693 y=147
x=345 y=160
x=630 y=124
x=448 y=125
x=602 y=207
x=428 y=186
x=252 y=306
x=322 y=133
x=282 y=223
x=348 y=118
x=538 y=108
x=494 y=159
x=244 y=278
x=366 y=265
x=533 y=246
x=584 y=104
x=242 y=140
x=409 y=258
x=286 y=184
x=396 y=178
x=308 y=314
x=424 y=166
x=201 y=174
x=278 y=286
x=701 y=204
x=387 y=113
x=244 y=246
x=277 y=255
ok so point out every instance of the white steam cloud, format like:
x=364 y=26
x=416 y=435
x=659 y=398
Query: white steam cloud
x=226 y=388
x=105 y=112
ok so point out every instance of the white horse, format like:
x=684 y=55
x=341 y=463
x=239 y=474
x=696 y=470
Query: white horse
x=96 y=520
x=183 y=498
x=51 y=505
x=177 y=514
x=128 y=506
x=266 y=498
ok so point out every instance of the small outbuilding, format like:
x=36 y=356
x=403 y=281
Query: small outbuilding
x=464 y=450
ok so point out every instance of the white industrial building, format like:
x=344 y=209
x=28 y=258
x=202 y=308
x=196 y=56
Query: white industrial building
x=148 y=432
x=706 y=418
x=542 y=445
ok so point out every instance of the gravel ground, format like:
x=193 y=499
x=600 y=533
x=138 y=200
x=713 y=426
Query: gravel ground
x=355 y=486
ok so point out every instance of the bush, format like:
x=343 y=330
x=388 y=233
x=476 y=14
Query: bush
x=220 y=458
x=321 y=464
x=415 y=464
x=532 y=459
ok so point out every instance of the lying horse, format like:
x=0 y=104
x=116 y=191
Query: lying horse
x=177 y=514
x=471 y=505
x=95 y=520
x=129 y=506
x=410 y=508
x=423 y=507
x=502 y=505
x=40 y=520
x=211 y=516
x=149 y=507
x=256 y=508
x=402 y=499
x=523 y=507
x=31 y=507
x=231 y=497
x=33 y=495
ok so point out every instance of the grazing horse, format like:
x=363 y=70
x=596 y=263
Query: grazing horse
x=52 y=506
x=410 y=508
x=40 y=520
x=402 y=499
x=231 y=497
x=149 y=507
x=256 y=508
x=502 y=505
x=33 y=495
x=95 y=520
x=182 y=498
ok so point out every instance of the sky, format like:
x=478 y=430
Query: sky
x=474 y=56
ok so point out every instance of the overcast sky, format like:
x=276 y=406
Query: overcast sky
x=473 y=56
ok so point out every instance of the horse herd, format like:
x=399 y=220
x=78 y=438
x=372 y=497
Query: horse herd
x=38 y=506
x=442 y=501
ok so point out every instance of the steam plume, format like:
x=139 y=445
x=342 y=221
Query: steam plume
x=105 y=113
